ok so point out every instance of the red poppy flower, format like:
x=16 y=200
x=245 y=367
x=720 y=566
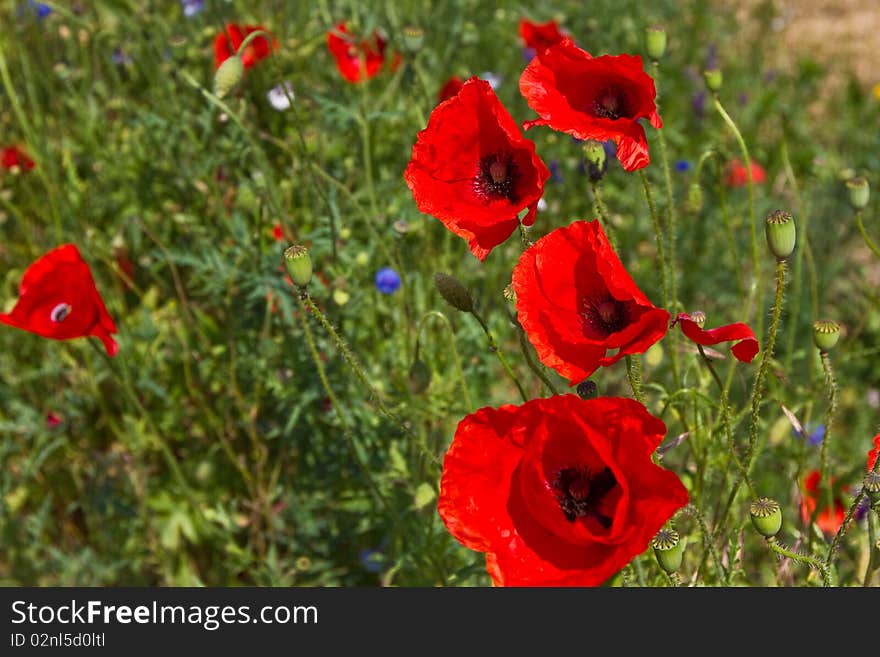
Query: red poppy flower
x=58 y=300
x=539 y=36
x=226 y=44
x=453 y=86
x=278 y=232
x=13 y=156
x=560 y=491
x=356 y=59
x=744 y=350
x=472 y=169
x=874 y=453
x=576 y=302
x=737 y=176
x=829 y=520
x=590 y=97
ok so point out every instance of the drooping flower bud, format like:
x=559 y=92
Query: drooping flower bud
x=713 y=78
x=419 y=377
x=669 y=549
x=695 y=198
x=595 y=159
x=299 y=264
x=766 y=516
x=781 y=234
x=455 y=294
x=859 y=192
x=655 y=41
x=825 y=334
x=228 y=75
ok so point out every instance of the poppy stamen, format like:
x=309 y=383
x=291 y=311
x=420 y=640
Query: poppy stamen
x=579 y=493
x=610 y=104
x=496 y=177
x=605 y=315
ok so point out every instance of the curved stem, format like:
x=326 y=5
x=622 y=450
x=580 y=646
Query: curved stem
x=466 y=395
x=525 y=347
x=634 y=373
x=844 y=526
x=602 y=212
x=493 y=347
x=658 y=237
x=824 y=570
x=831 y=384
x=872 y=542
x=868 y=241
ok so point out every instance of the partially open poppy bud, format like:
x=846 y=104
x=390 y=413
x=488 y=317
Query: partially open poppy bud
x=872 y=486
x=587 y=389
x=781 y=234
x=509 y=293
x=859 y=192
x=455 y=294
x=413 y=38
x=595 y=159
x=695 y=198
x=419 y=377
x=713 y=79
x=766 y=516
x=228 y=75
x=825 y=334
x=655 y=41
x=669 y=549
x=299 y=264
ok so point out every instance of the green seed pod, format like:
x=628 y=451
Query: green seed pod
x=713 y=78
x=655 y=41
x=228 y=75
x=587 y=389
x=695 y=198
x=781 y=234
x=825 y=334
x=455 y=294
x=669 y=549
x=872 y=486
x=419 y=377
x=299 y=264
x=595 y=159
x=766 y=516
x=413 y=38
x=859 y=192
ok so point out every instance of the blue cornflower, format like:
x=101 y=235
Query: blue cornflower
x=40 y=9
x=555 y=171
x=371 y=559
x=682 y=166
x=192 y=7
x=814 y=434
x=387 y=280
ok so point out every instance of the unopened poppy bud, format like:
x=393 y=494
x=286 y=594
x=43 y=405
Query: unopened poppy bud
x=695 y=197
x=595 y=159
x=825 y=334
x=859 y=192
x=299 y=264
x=871 y=484
x=713 y=79
x=419 y=377
x=455 y=294
x=766 y=516
x=781 y=234
x=413 y=38
x=587 y=389
x=228 y=75
x=698 y=317
x=669 y=549
x=655 y=41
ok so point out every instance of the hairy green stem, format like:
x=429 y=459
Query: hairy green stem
x=824 y=570
x=872 y=545
x=466 y=395
x=831 y=385
x=868 y=241
x=658 y=237
x=851 y=512
x=494 y=348
x=530 y=361
x=634 y=373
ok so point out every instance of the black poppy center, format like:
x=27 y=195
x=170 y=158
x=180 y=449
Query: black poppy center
x=496 y=177
x=610 y=104
x=605 y=315
x=579 y=492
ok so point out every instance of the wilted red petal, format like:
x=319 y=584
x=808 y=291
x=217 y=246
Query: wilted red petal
x=13 y=156
x=737 y=176
x=744 y=350
x=227 y=42
x=358 y=59
x=539 y=36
